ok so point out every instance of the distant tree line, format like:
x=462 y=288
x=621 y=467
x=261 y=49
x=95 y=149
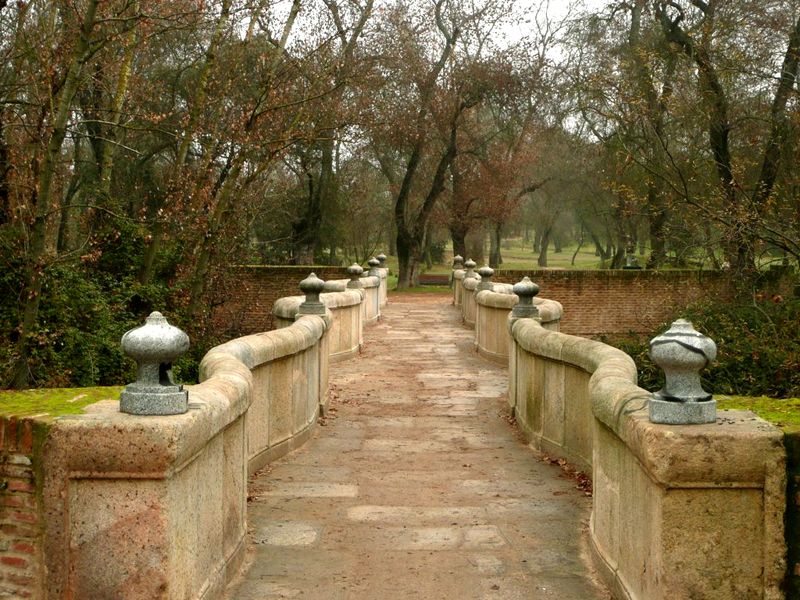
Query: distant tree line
x=147 y=146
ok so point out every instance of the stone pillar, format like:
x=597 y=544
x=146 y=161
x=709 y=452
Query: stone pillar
x=154 y=346
x=458 y=262
x=382 y=259
x=312 y=287
x=682 y=352
x=355 y=272
x=525 y=290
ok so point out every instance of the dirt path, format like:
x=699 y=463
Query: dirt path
x=417 y=486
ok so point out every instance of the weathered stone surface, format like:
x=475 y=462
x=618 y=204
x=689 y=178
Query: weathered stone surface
x=417 y=485
x=675 y=506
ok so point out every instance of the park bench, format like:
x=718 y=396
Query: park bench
x=434 y=279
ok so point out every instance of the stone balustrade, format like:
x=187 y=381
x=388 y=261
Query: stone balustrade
x=679 y=511
x=492 y=308
x=468 y=307
x=458 y=288
x=347 y=319
x=142 y=506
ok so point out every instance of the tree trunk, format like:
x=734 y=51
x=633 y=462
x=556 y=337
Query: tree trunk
x=537 y=240
x=428 y=243
x=409 y=257
x=495 y=237
x=545 y=243
x=459 y=237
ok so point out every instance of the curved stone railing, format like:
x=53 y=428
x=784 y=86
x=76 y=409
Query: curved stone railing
x=347 y=321
x=372 y=299
x=458 y=289
x=155 y=506
x=692 y=511
x=383 y=288
x=289 y=369
x=492 y=337
x=468 y=306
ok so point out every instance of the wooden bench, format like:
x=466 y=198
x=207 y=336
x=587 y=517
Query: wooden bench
x=434 y=279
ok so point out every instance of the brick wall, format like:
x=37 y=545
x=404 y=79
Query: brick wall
x=21 y=533
x=595 y=302
x=252 y=292
x=618 y=302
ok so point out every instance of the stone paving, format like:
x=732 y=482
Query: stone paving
x=417 y=486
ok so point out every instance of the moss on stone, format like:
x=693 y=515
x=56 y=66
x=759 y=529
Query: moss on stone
x=49 y=403
x=784 y=414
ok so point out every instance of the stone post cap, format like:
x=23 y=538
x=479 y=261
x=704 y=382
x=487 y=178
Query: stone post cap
x=470 y=265
x=312 y=287
x=382 y=258
x=682 y=352
x=458 y=261
x=486 y=273
x=525 y=290
x=154 y=346
x=355 y=271
x=373 y=263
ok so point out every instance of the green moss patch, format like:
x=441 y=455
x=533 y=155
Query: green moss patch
x=784 y=414
x=49 y=403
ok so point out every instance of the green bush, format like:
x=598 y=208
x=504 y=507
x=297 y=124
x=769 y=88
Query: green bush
x=758 y=349
x=82 y=316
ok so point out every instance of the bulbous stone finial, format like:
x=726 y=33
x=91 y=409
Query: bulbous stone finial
x=682 y=352
x=470 y=265
x=525 y=290
x=355 y=272
x=486 y=273
x=458 y=262
x=382 y=259
x=373 y=263
x=154 y=346
x=312 y=287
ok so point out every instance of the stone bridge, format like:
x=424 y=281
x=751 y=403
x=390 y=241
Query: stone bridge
x=366 y=450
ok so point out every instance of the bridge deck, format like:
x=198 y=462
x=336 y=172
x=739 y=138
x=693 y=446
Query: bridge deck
x=417 y=486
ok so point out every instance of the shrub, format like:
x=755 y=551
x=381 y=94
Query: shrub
x=758 y=349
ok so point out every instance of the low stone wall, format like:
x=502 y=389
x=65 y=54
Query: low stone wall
x=289 y=384
x=458 y=288
x=346 y=331
x=372 y=299
x=492 y=337
x=469 y=309
x=149 y=507
x=692 y=511
x=110 y=505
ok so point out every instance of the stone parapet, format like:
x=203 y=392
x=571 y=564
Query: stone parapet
x=492 y=310
x=458 y=278
x=154 y=507
x=135 y=513
x=346 y=312
x=468 y=306
x=689 y=511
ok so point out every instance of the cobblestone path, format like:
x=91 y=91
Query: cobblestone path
x=416 y=486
